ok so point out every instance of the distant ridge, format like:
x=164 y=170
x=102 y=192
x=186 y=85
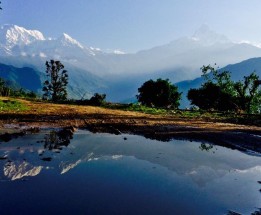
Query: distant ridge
x=25 y=77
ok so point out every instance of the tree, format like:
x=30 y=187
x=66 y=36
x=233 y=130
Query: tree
x=57 y=79
x=160 y=94
x=211 y=96
x=219 y=92
x=4 y=89
x=249 y=93
x=219 y=78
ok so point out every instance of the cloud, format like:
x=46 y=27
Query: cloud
x=256 y=44
x=42 y=55
x=118 y=52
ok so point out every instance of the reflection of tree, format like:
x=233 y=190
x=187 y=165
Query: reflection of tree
x=58 y=139
x=206 y=146
x=7 y=137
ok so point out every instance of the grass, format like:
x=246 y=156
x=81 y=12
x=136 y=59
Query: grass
x=38 y=107
x=137 y=108
x=215 y=116
x=11 y=105
x=164 y=112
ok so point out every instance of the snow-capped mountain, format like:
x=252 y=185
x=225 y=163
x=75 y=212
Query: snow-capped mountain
x=18 y=41
x=66 y=40
x=12 y=35
x=204 y=47
x=209 y=37
x=116 y=74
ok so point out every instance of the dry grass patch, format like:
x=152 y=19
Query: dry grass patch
x=42 y=113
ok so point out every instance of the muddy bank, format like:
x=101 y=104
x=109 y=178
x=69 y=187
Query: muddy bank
x=162 y=128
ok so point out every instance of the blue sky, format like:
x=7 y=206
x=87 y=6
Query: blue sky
x=132 y=25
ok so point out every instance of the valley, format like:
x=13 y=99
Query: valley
x=119 y=75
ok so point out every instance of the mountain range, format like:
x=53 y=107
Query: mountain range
x=116 y=74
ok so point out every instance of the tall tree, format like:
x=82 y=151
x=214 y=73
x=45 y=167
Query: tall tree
x=57 y=79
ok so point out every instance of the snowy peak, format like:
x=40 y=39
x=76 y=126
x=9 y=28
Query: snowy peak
x=18 y=41
x=66 y=40
x=12 y=35
x=209 y=37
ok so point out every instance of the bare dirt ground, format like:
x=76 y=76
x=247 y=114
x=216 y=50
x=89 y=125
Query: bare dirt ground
x=97 y=119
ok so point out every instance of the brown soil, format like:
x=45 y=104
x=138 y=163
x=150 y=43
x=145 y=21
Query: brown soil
x=97 y=119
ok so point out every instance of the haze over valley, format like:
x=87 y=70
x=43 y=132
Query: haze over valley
x=115 y=73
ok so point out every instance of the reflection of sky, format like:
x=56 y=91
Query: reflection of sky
x=227 y=176
x=181 y=157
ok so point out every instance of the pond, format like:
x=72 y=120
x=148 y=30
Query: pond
x=84 y=173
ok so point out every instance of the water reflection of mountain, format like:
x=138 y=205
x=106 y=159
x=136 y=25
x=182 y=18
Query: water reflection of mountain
x=17 y=170
x=180 y=157
x=24 y=156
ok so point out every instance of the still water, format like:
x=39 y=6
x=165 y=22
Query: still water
x=125 y=174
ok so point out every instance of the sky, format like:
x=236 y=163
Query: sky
x=133 y=25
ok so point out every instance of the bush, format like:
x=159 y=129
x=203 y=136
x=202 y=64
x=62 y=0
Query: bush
x=97 y=99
